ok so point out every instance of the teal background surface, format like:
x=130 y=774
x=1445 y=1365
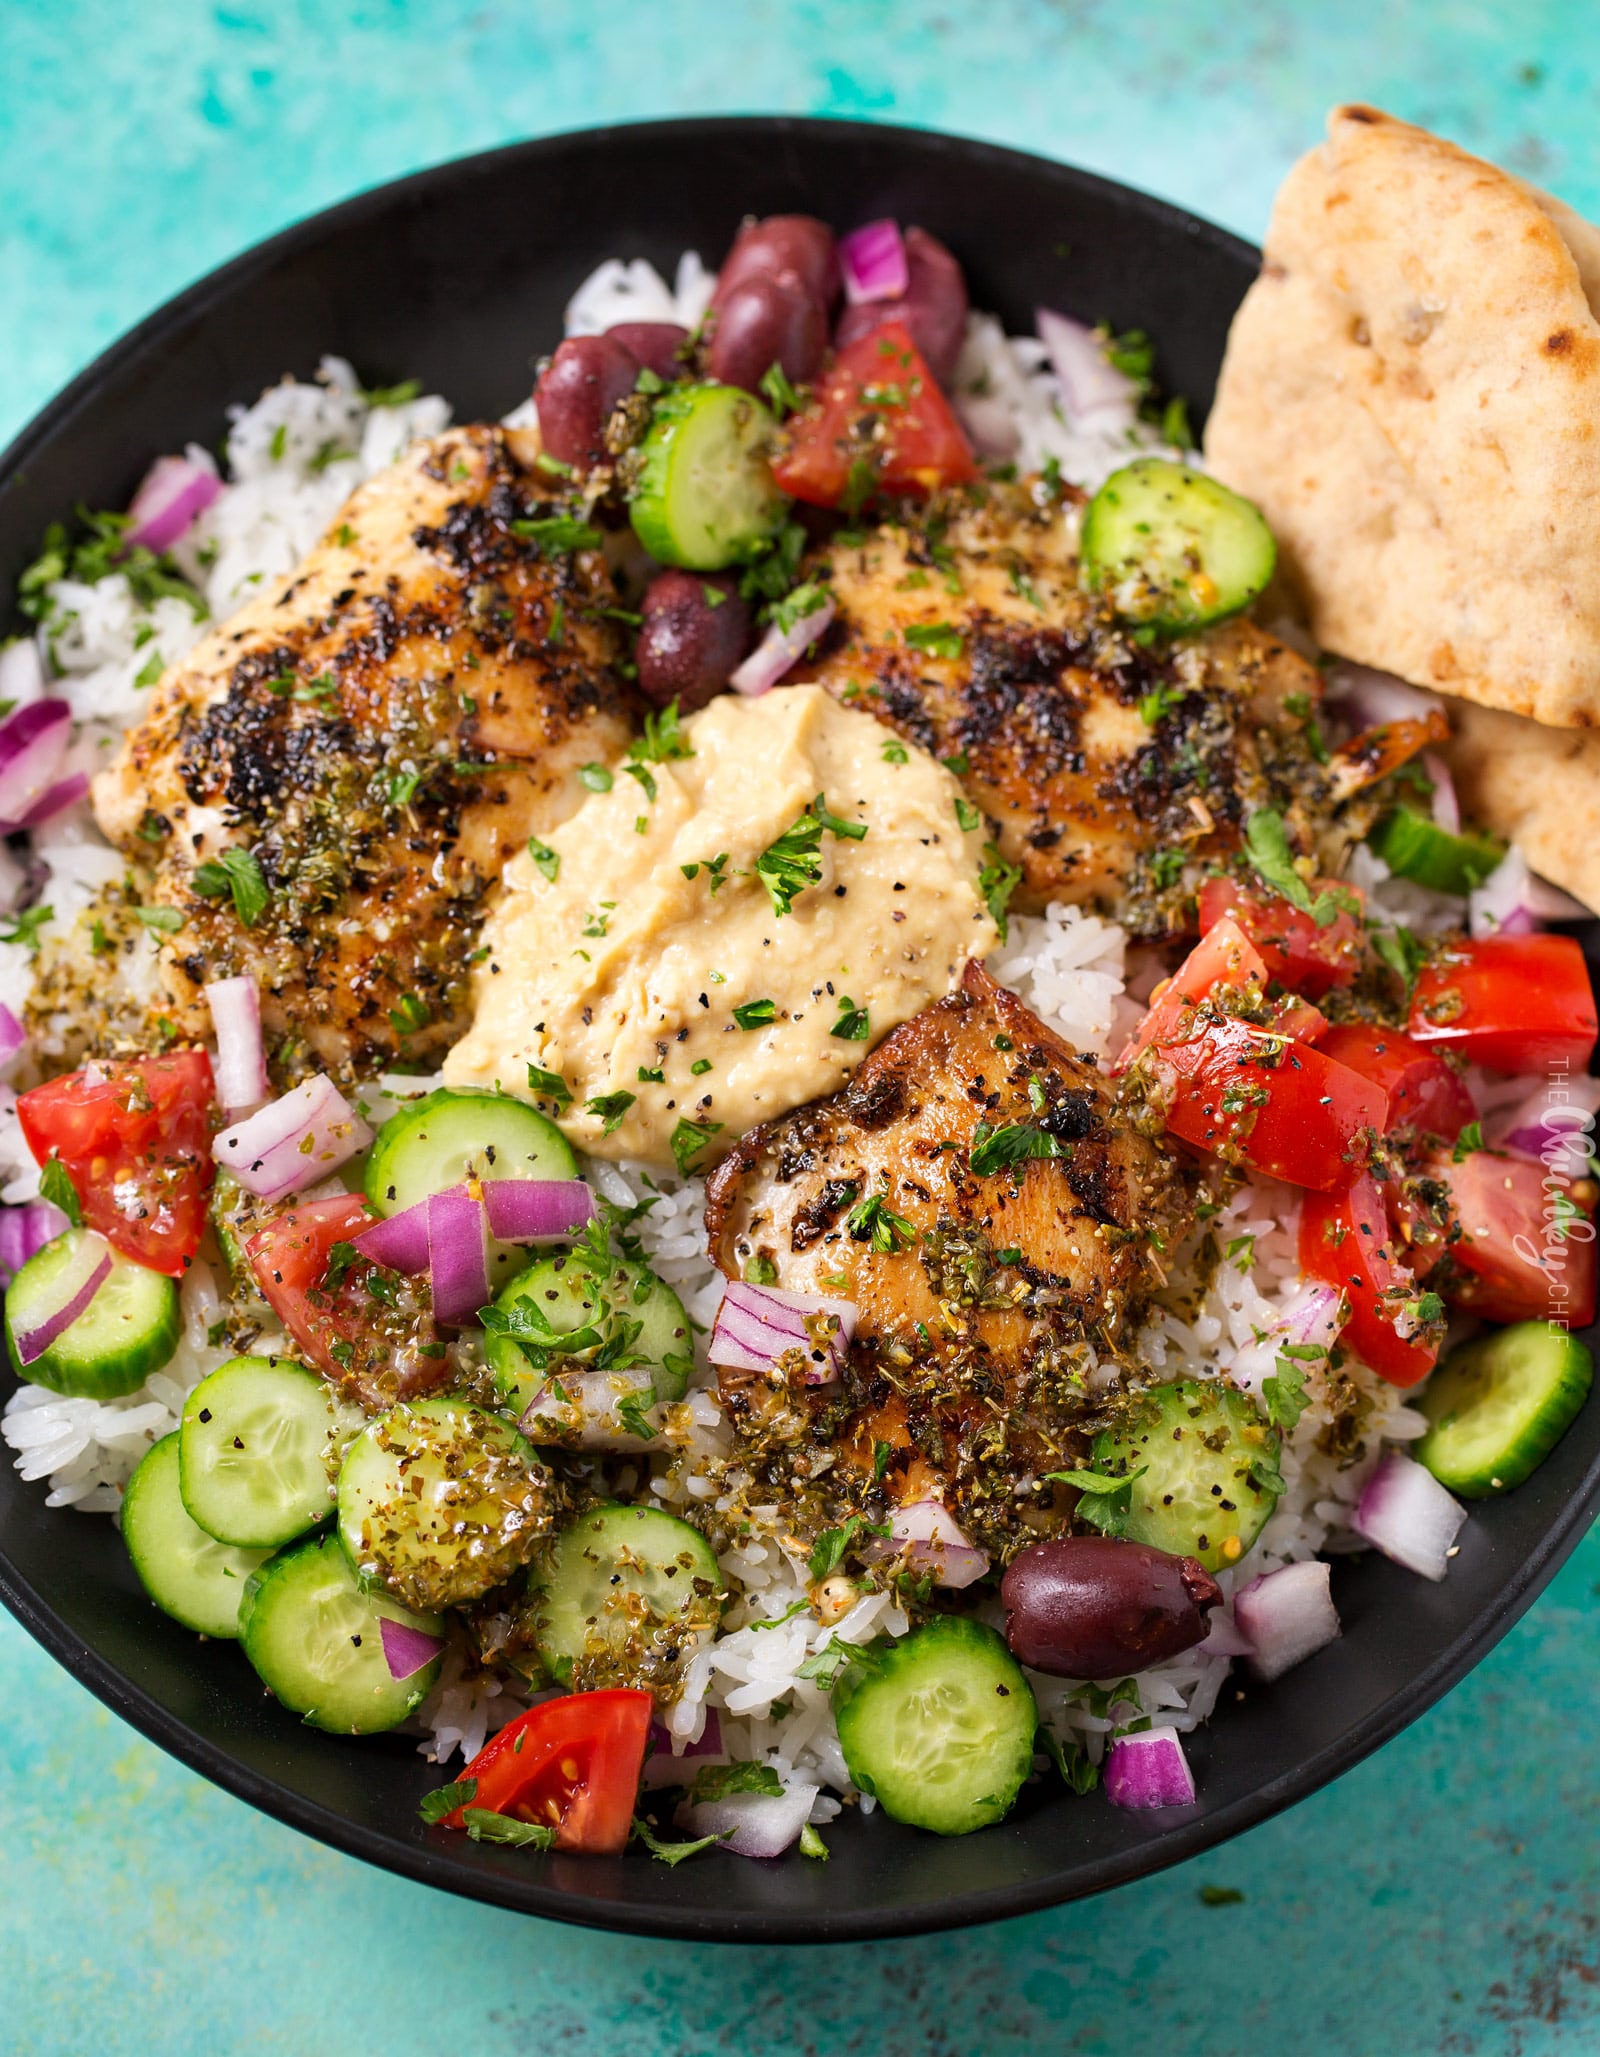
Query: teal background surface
x=1445 y=1895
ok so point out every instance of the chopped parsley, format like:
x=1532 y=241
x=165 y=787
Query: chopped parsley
x=1013 y=1142
x=391 y=396
x=549 y=1085
x=1266 y=844
x=1103 y=1501
x=811 y=1844
x=1166 y=868
x=852 y=1025
x=56 y=1187
x=716 y=1781
x=1402 y=953
x=1284 y=1390
x=756 y=1014
x=936 y=638
x=967 y=816
x=828 y=1551
x=236 y=874
x=409 y=1013
x=1158 y=703
x=150 y=670
x=795 y=606
x=595 y=777
x=1470 y=1139
x=895 y=752
x=560 y=533
x=663 y=739
x=689 y=1138
x=545 y=859
x=778 y=393
x=872 y=1221
x=997 y=881
x=485 y=1826
x=24 y=928
x=609 y=1108
x=164 y=921
x=445 y=1800
x=760 y=1271
x=102 y=552
x=674 y=1853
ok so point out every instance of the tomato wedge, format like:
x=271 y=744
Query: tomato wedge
x=362 y=1327
x=1345 y=1240
x=1293 y=948
x=1224 y=956
x=1514 y=1003
x=1527 y=1246
x=571 y=1764
x=1266 y=1101
x=1423 y=1091
x=135 y=1140
x=878 y=423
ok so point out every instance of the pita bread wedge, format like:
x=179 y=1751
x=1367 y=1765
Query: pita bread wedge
x=1538 y=787
x=1412 y=395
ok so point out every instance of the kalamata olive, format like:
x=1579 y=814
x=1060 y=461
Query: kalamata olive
x=933 y=308
x=783 y=242
x=772 y=319
x=655 y=344
x=583 y=381
x=1094 y=1607
x=690 y=644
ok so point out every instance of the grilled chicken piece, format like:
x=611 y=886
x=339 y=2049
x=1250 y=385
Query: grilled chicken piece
x=986 y=1297
x=1092 y=753
x=378 y=734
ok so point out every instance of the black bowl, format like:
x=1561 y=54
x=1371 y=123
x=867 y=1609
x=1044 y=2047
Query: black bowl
x=459 y=276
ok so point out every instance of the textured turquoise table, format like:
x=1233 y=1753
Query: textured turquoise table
x=1446 y=1895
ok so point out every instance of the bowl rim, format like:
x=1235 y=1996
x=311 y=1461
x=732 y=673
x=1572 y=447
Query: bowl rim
x=433 y=1865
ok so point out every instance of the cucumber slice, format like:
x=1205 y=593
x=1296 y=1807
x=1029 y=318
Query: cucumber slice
x=1500 y=1404
x=128 y=1330
x=441 y=1500
x=1172 y=548
x=1414 y=847
x=1210 y=1471
x=254 y=1441
x=314 y=1635
x=458 y=1133
x=617 y=1313
x=621 y=1597
x=188 y=1574
x=939 y=1726
x=706 y=497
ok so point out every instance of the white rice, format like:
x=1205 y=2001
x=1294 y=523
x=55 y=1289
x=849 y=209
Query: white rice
x=290 y=460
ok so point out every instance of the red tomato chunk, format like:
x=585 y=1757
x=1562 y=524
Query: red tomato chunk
x=1513 y=1003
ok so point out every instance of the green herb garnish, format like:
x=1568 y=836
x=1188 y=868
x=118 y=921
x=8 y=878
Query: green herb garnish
x=236 y=874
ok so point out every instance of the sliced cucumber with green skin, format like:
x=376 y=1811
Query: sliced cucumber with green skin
x=1207 y=1470
x=621 y=1596
x=314 y=1634
x=595 y=1304
x=441 y=1500
x=459 y=1133
x=939 y=1726
x=128 y=1330
x=1414 y=847
x=1172 y=548
x=1499 y=1405
x=706 y=497
x=188 y=1574
x=254 y=1446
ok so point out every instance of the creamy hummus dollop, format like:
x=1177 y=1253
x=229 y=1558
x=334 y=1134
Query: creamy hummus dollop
x=640 y=956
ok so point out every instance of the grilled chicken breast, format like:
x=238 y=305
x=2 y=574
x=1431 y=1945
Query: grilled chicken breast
x=1095 y=755
x=991 y=1278
x=359 y=749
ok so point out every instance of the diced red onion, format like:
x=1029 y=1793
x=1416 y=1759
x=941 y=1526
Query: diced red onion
x=1287 y=1615
x=1405 y=1512
x=1559 y=1114
x=873 y=260
x=175 y=493
x=458 y=1254
x=33 y=741
x=1224 y=1638
x=1149 y=1769
x=779 y=649
x=932 y=1540
x=406 y=1649
x=1369 y=697
x=73 y=1291
x=662 y=1768
x=991 y=425
x=21 y=672
x=1311 y=1319
x=537 y=1210
x=13 y=1036
x=756 y=1325
x=1090 y=382
x=294 y=1141
x=54 y=800
x=241 y=1066
x=753 y=1824
x=400 y=1242
x=1446 y=807
x=25 y=1230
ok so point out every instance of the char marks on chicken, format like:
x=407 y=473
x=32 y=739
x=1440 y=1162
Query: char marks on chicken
x=998 y=1222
